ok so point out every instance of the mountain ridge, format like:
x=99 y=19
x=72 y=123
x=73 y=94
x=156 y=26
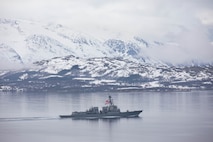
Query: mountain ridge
x=74 y=74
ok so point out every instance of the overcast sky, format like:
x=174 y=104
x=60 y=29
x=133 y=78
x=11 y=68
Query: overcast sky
x=186 y=22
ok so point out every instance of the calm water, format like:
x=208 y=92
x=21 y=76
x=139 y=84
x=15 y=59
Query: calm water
x=167 y=116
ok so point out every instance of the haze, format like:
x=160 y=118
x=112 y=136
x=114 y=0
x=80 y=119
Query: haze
x=186 y=26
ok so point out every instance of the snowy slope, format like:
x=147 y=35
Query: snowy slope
x=32 y=42
x=72 y=73
x=114 y=68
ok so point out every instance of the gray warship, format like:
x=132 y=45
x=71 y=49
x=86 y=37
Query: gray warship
x=109 y=111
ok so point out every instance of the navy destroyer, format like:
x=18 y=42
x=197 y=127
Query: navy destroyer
x=109 y=111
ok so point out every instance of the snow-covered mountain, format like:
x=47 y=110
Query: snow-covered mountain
x=26 y=42
x=72 y=73
x=66 y=60
x=34 y=42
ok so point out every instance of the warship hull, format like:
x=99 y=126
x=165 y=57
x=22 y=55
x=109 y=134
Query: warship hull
x=108 y=115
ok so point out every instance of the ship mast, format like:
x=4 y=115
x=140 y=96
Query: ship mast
x=110 y=100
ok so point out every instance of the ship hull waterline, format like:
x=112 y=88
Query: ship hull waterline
x=109 y=115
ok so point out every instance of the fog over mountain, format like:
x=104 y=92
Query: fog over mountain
x=52 y=57
x=24 y=42
x=184 y=27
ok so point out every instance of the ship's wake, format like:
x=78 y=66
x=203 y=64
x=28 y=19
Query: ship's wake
x=27 y=118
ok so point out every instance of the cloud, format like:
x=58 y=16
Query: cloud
x=206 y=17
x=188 y=46
x=187 y=23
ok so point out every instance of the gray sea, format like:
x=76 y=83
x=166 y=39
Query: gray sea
x=166 y=117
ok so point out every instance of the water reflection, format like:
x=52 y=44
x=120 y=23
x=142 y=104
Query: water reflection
x=36 y=102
